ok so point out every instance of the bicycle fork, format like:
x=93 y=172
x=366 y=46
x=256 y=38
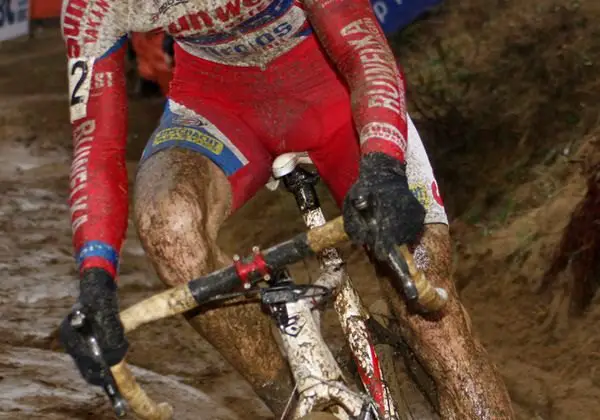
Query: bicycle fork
x=318 y=378
x=348 y=305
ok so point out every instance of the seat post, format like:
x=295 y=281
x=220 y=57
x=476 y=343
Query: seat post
x=301 y=183
x=297 y=180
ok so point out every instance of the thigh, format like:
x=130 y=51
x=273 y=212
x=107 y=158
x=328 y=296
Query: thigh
x=337 y=160
x=337 y=155
x=213 y=131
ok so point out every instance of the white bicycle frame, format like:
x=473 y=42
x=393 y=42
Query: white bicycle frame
x=318 y=377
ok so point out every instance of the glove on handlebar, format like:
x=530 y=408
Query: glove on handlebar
x=99 y=302
x=398 y=215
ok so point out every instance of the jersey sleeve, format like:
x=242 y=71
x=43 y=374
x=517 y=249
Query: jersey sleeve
x=96 y=42
x=354 y=41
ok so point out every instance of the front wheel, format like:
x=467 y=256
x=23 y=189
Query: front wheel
x=411 y=388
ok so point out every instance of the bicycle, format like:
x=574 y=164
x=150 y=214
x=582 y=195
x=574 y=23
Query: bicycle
x=319 y=380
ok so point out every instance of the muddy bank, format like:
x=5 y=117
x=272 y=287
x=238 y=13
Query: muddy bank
x=506 y=92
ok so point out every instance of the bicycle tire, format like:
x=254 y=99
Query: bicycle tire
x=412 y=389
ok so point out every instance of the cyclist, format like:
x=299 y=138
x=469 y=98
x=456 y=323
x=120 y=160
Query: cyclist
x=254 y=79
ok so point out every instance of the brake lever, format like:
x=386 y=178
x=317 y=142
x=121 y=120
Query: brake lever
x=394 y=258
x=80 y=323
x=400 y=267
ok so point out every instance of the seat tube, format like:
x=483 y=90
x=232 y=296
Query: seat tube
x=301 y=183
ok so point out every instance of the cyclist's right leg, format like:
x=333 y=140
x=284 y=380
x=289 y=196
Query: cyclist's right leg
x=182 y=197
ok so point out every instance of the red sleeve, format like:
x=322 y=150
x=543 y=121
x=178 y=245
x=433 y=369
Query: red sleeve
x=356 y=44
x=98 y=108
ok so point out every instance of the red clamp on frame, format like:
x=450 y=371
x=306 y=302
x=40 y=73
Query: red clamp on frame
x=256 y=265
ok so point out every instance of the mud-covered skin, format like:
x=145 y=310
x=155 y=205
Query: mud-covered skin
x=469 y=387
x=181 y=200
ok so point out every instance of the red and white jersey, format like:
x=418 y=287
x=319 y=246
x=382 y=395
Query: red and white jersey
x=294 y=43
x=234 y=32
x=240 y=32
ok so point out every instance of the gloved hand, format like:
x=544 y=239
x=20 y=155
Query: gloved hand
x=398 y=215
x=98 y=299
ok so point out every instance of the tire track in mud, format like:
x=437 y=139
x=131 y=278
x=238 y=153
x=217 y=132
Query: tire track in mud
x=9 y=62
x=24 y=100
x=58 y=392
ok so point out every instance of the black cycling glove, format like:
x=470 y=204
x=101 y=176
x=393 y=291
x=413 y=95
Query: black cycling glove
x=99 y=302
x=397 y=214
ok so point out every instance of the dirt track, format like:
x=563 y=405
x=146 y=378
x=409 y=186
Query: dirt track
x=37 y=269
x=551 y=373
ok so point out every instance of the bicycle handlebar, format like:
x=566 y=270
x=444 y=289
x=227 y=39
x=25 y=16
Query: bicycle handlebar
x=140 y=403
x=246 y=272
x=185 y=297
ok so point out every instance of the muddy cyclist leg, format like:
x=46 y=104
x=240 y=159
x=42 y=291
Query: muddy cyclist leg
x=181 y=201
x=469 y=386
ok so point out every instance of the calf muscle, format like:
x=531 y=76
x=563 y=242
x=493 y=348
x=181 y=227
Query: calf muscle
x=469 y=386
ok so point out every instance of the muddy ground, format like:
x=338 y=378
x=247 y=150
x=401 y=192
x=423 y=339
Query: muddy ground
x=548 y=359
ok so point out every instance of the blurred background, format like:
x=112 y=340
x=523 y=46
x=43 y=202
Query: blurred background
x=505 y=94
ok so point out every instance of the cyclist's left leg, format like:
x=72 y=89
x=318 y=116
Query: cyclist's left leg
x=468 y=384
x=200 y=165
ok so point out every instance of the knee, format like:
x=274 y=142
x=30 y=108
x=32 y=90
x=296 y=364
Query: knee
x=434 y=252
x=171 y=222
x=181 y=200
x=173 y=190
x=167 y=212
